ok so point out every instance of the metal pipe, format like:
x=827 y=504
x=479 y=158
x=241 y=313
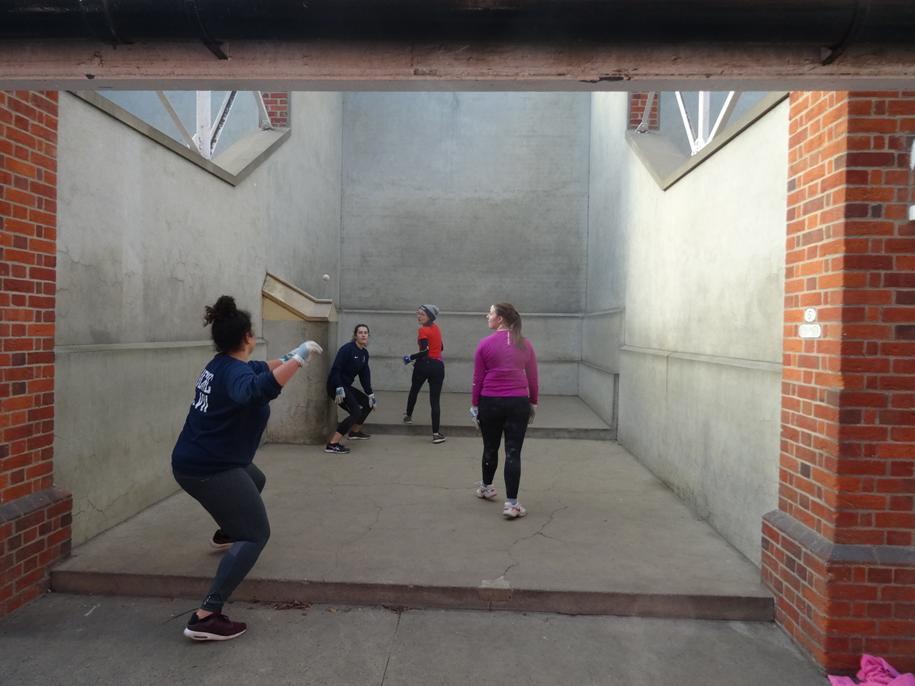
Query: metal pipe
x=824 y=23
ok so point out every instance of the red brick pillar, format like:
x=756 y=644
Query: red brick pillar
x=839 y=553
x=34 y=516
x=637 y=104
x=277 y=104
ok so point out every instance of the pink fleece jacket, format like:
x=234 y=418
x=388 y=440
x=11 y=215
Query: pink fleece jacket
x=503 y=370
x=875 y=671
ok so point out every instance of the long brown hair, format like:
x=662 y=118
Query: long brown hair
x=511 y=317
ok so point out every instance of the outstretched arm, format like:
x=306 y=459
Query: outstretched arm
x=285 y=368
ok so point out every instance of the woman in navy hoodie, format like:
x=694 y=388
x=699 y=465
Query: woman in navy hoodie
x=352 y=360
x=212 y=459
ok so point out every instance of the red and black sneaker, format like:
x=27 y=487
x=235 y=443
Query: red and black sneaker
x=215 y=627
x=220 y=541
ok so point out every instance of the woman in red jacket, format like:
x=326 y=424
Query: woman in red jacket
x=427 y=366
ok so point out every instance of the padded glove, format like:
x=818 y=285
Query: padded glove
x=302 y=353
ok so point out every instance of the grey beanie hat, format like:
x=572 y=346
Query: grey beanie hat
x=430 y=310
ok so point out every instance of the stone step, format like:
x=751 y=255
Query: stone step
x=421 y=596
x=563 y=417
x=396 y=523
x=533 y=431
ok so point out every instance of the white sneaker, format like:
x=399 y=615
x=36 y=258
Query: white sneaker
x=485 y=492
x=510 y=511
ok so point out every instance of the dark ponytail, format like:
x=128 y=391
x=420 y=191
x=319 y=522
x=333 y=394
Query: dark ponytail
x=511 y=317
x=230 y=325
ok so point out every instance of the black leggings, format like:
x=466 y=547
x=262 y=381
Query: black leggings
x=433 y=371
x=509 y=416
x=356 y=404
x=233 y=499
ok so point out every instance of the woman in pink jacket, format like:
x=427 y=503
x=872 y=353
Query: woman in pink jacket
x=504 y=401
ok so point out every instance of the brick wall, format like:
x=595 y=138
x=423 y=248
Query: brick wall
x=34 y=534
x=637 y=104
x=277 y=104
x=840 y=552
x=34 y=517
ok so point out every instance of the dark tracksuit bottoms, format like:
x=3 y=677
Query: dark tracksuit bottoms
x=356 y=403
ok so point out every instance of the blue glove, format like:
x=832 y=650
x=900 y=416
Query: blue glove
x=372 y=401
x=407 y=359
x=475 y=415
x=340 y=396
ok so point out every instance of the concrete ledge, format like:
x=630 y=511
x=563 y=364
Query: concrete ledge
x=736 y=608
x=27 y=504
x=470 y=431
x=840 y=553
x=232 y=166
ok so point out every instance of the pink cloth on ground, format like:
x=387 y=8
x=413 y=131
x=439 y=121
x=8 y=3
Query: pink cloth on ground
x=875 y=671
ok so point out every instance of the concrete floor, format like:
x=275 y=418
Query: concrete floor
x=395 y=522
x=111 y=641
x=394 y=525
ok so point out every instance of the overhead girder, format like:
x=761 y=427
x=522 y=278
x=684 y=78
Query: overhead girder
x=458 y=44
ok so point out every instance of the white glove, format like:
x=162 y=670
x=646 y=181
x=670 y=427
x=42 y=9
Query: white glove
x=475 y=415
x=533 y=413
x=372 y=401
x=340 y=396
x=302 y=353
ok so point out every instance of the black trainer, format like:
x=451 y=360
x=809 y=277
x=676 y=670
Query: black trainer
x=216 y=627
x=438 y=438
x=220 y=541
x=359 y=435
x=336 y=448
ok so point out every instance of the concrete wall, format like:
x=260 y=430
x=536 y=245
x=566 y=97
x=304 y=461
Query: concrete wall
x=462 y=200
x=556 y=338
x=145 y=241
x=699 y=272
x=602 y=319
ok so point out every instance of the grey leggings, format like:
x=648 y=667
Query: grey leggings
x=233 y=499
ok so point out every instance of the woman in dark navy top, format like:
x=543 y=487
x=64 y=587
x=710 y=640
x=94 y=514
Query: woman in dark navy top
x=212 y=459
x=352 y=360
